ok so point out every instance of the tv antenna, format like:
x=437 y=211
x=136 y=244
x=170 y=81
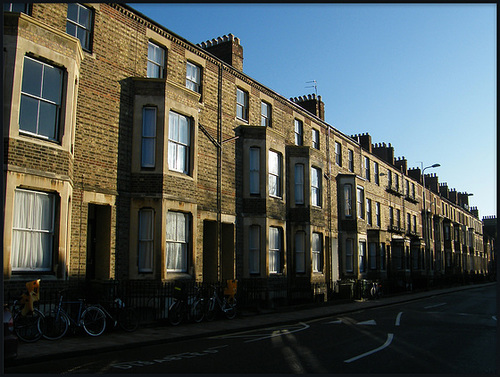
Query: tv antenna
x=315 y=86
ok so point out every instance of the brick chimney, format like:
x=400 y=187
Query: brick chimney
x=311 y=103
x=384 y=152
x=226 y=48
x=432 y=183
x=402 y=164
x=365 y=140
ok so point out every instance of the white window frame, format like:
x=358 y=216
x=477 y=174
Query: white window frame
x=193 y=77
x=316 y=199
x=146 y=240
x=275 y=175
x=177 y=242
x=317 y=252
x=32 y=231
x=254 y=234
x=377 y=213
x=265 y=114
x=315 y=138
x=367 y=168
x=36 y=95
x=156 y=61
x=299 y=183
x=242 y=104
x=148 y=137
x=82 y=29
x=275 y=249
x=360 y=199
x=338 y=153
x=299 y=132
x=179 y=148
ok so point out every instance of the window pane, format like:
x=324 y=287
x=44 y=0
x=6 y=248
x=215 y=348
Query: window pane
x=32 y=77
x=28 y=114
x=300 y=246
x=149 y=122
x=48 y=120
x=52 y=81
x=73 y=11
x=183 y=130
x=84 y=17
x=148 y=152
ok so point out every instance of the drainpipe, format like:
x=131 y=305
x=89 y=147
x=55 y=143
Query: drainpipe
x=219 y=175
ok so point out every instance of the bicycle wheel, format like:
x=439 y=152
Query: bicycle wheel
x=230 y=308
x=128 y=319
x=53 y=326
x=93 y=321
x=210 y=313
x=175 y=313
x=26 y=326
x=197 y=311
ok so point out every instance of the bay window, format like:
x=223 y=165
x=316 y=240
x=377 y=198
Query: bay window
x=41 y=97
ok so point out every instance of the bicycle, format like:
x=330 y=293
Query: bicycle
x=25 y=316
x=181 y=309
x=227 y=305
x=124 y=316
x=26 y=325
x=55 y=325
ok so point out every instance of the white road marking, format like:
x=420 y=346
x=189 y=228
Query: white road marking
x=370 y=322
x=385 y=345
x=398 y=318
x=435 y=305
x=281 y=333
x=337 y=322
x=494 y=317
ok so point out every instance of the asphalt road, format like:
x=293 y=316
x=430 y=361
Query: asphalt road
x=453 y=333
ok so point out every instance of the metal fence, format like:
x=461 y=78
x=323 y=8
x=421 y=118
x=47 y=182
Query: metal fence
x=152 y=299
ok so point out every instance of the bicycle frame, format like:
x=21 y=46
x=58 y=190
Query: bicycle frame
x=81 y=308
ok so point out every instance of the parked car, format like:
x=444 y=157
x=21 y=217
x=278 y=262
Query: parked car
x=10 y=340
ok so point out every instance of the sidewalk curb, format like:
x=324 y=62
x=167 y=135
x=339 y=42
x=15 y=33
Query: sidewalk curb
x=209 y=329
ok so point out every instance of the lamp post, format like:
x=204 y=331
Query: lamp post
x=426 y=238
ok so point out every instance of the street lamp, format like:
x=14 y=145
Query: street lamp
x=425 y=211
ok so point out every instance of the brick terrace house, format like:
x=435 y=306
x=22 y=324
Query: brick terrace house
x=132 y=153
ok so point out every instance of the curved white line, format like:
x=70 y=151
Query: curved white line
x=385 y=345
x=398 y=318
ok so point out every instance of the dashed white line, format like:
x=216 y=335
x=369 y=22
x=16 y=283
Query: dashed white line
x=385 y=345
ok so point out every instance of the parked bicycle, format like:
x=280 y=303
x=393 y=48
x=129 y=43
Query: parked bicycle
x=25 y=316
x=124 y=316
x=89 y=317
x=182 y=309
x=226 y=305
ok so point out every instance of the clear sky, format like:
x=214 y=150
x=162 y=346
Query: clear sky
x=419 y=76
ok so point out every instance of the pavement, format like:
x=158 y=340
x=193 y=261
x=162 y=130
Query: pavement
x=81 y=344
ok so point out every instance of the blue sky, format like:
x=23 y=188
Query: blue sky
x=419 y=76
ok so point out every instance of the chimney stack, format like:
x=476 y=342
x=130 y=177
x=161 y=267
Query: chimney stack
x=226 y=48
